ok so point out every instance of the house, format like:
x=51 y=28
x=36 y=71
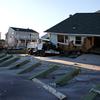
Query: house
x=45 y=38
x=20 y=37
x=0 y=35
x=2 y=44
x=80 y=31
x=97 y=11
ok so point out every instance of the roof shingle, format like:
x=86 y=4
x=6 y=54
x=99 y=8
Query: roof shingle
x=79 y=23
x=23 y=29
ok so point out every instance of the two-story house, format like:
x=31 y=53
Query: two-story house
x=2 y=44
x=20 y=37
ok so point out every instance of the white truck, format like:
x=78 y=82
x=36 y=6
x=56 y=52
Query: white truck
x=43 y=48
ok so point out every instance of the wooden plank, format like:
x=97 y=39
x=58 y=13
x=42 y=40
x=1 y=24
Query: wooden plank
x=6 y=58
x=9 y=61
x=19 y=64
x=67 y=77
x=29 y=69
x=2 y=55
x=50 y=89
x=90 y=96
x=95 y=90
x=45 y=72
x=92 y=93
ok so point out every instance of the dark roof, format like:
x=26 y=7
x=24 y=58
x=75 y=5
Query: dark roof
x=97 y=11
x=23 y=29
x=79 y=23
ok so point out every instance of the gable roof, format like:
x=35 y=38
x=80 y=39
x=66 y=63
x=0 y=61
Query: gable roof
x=46 y=36
x=23 y=29
x=79 y=23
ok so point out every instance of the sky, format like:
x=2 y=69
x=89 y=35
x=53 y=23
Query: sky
x=40 y=15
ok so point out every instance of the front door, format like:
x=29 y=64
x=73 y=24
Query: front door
x=97 y=42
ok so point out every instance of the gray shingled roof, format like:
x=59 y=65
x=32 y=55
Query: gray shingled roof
x=79 y=23
x=23 y=29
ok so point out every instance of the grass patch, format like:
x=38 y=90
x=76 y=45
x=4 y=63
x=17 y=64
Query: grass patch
x=67 y=77
x=30 y=68
x=45 y=72
x=20 y=64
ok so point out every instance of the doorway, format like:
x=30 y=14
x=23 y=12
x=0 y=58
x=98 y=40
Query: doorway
x=97 y=42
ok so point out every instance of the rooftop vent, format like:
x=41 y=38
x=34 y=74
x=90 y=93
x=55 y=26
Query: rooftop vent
x=70 y=15
x=74 y=27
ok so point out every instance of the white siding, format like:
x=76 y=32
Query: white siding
x=72 y=38
x=13 y=36
x=27 y=36
x=53 y=38
x=0 y=35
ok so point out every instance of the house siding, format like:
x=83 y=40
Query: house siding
x=10 y=38
x=17 y=39
x=65 y=46
x=26 y=35
x=53 y=38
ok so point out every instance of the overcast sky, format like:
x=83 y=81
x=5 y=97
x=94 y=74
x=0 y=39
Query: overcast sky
x=40 y=14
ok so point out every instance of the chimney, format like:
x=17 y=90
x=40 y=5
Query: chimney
x=70 y=15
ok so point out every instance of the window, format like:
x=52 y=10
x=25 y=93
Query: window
x=66 y=39
x=78 y=40
x=61 y=38
x=12 y=32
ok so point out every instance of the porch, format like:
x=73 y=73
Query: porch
x=91 y=44
x=96 y=48
x=85 y=44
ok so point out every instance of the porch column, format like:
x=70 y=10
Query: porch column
x=25 y=43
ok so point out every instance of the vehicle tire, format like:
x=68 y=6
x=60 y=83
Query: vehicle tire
x=42 y=53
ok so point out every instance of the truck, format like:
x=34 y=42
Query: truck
x=42 y=48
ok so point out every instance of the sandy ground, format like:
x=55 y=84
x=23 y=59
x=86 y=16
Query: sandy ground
x=88 y=61
x=14 y=87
